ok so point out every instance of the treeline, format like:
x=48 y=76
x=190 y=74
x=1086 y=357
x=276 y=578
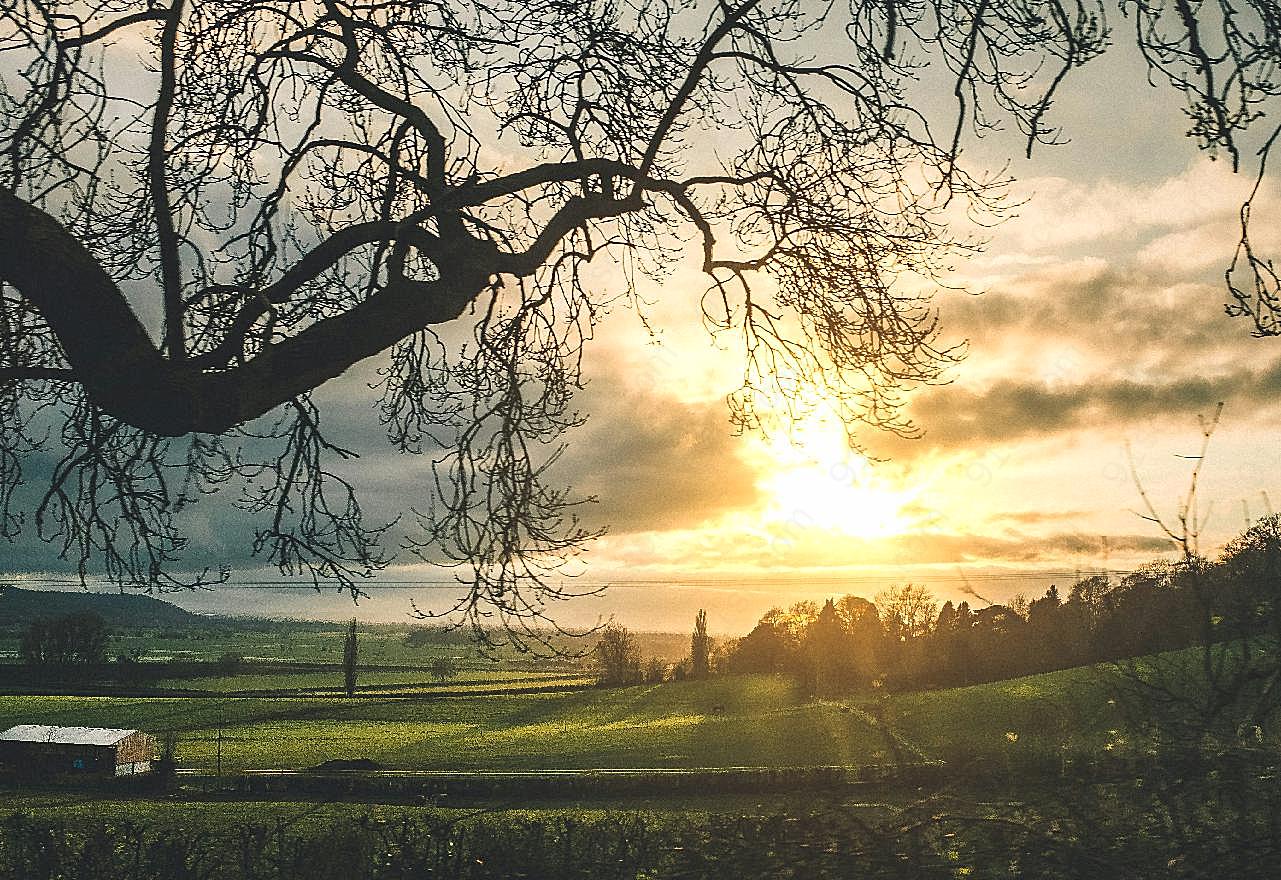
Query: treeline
x=75 y=639
x=619 y=660
x=905 y=640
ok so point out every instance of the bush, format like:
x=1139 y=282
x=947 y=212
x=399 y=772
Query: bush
x=229 y=663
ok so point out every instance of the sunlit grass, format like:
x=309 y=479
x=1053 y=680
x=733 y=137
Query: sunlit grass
x=725 y=722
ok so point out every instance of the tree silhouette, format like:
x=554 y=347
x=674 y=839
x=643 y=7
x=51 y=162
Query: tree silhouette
x=700 y=647
x=824 y=660
x=618 y=656
x=74 y=639
x=191 y=245
x=349 y=653
x=443 y=669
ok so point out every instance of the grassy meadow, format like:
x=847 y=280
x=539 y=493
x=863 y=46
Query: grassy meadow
x=378 y=681
x=1000 y=807
x=733 y=721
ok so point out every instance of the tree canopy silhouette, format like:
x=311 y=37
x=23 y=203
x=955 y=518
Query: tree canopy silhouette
x=191 y=245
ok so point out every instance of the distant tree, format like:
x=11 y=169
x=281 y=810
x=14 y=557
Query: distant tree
x=79 y=638
x=855 y=611
x=229 y=663
x=953 y=649
x=429 y=636
x=349 y=659
x=1019 y=604
x=865 y=637
x=824 y=661
x=1249 y=573
x=1041 y=612
x=700 y=647
x=656 y=670
x=1143 y=613
x=723 y=651
x=1240 y=599
x=799 y=615
x=996 y=640
x=443 y=669
x=1079 y=619
x=618 y=656
x=907 y=612
x=765 y=649
x=36 y=645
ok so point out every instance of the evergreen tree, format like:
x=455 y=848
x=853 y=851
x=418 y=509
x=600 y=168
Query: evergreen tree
x=700 y=647
x=349 y=659
x=824 y=665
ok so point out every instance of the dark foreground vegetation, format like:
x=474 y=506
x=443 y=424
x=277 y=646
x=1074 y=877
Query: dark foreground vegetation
x=1221 y=821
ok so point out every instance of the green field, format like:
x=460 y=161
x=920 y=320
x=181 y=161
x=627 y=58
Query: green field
x=377 y=680
x=292 y=641
x=1007 y=811
x=725 y=722
x=287 y=641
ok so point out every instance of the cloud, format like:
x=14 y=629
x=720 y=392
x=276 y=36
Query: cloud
x=1036 y=517
x=1012 y=409
x=655 y=463
x=1122 y=314
x=815 y=550
x=1063 y=214
x=1083 y=344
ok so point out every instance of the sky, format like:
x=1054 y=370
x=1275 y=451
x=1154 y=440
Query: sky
x=1096 y=340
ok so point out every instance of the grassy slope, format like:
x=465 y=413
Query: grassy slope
x=1055 y=716
x=765 y=721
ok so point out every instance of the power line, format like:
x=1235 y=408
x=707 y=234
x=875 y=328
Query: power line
x=666 y=581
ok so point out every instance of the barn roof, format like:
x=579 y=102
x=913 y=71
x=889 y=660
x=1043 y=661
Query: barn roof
x=81 y=736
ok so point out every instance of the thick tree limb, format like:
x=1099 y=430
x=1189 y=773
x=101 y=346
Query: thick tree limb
x=122 y=371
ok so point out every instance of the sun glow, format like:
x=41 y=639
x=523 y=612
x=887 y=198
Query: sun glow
x=815 y=481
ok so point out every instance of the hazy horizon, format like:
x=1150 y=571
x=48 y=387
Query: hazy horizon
x=733 y=605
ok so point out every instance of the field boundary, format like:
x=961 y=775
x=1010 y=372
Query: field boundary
x=387 y=692
x=417 y=784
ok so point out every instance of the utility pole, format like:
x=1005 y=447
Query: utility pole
x=218 y=771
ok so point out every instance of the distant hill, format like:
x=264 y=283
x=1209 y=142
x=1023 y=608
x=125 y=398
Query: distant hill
x=19 y=607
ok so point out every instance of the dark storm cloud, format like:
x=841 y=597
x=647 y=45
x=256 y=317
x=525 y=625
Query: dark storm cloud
x=1036 y=517
x=653 y=463
x=1016 y=547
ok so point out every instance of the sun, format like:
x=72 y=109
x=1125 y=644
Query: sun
x=813 y=480
x=810 y=497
